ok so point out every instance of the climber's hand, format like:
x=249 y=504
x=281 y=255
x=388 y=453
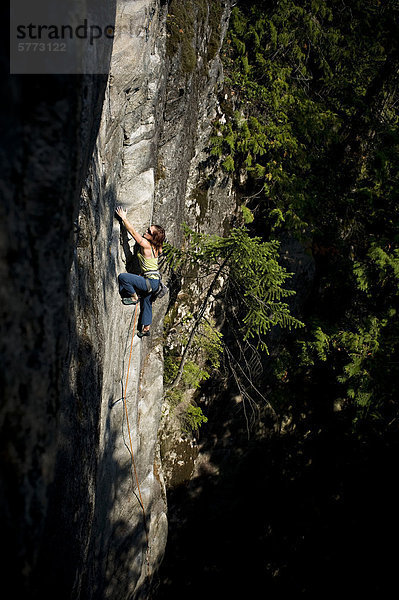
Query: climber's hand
x=121 y=212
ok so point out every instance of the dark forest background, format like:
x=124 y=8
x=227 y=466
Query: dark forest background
x=311 y=139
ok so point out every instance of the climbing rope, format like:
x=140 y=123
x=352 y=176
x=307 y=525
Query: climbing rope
x=130 y=438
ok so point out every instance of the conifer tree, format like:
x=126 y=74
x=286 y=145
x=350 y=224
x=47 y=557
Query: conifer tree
x=311 y=137
x=246 y=272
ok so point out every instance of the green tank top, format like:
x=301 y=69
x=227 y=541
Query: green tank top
x=148 y=264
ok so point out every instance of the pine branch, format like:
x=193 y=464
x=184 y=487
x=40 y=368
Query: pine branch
x=197 y=321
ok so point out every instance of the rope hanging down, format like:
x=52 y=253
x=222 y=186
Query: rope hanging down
x=128 y=428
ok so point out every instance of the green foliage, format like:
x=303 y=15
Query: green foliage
x=256 y=278
x=379 y=269
x=311 y=138
x=204 y=360
x=175 y=397
x=171 y=366
x=311 y=117
x=193 y=418
x=298 y=74
x=210 y=342
x=206 y=351
x=317 y=347
x=194 y=375
x=246 y=271
x=247 y=215
x=363 y=357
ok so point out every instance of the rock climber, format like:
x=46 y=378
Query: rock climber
x=139 y=288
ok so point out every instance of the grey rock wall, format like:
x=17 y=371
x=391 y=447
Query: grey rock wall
x=191 y=189
x=48 y=126
x=74 y=148
x=148 y=159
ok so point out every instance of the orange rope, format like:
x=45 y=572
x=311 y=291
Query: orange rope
x=128 y=428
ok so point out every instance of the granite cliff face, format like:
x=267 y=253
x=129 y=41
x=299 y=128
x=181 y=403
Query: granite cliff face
x=75 y=148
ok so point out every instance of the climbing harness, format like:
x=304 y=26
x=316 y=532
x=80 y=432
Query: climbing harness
x=162 y=288
x=147 y=280
x=131 y=445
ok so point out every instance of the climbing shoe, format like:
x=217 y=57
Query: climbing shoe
x=143 y=333
x=129 y=301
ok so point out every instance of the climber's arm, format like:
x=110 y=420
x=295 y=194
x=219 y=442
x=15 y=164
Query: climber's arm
x=122 y=214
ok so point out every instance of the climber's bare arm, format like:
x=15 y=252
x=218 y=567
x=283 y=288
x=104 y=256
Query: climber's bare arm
x=122 y=214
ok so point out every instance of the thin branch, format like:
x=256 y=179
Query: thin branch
x=197 y=321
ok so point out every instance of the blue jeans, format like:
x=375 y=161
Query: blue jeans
x=133 y=284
